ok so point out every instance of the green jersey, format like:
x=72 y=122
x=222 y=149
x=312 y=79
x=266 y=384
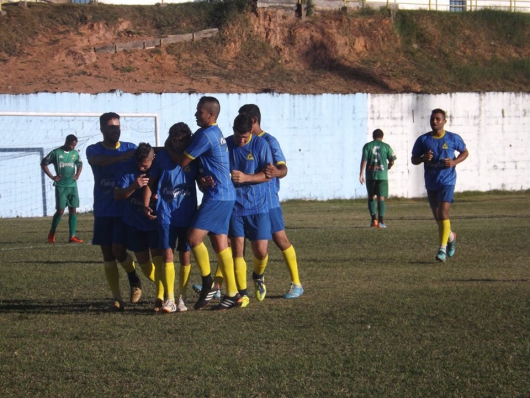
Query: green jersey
x=66 y=163
x=377 y=155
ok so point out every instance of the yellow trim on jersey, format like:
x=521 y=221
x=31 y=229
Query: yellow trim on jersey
x=280 y=162
x=436 y=137
x=188 y=156
x=118 y=144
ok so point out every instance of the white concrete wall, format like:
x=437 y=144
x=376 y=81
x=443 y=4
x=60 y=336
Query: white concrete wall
x=321 y=136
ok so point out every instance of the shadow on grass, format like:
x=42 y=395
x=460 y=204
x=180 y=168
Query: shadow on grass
x=65 y=307
x=487 y=280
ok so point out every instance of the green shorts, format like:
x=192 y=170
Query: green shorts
x=66 y=197
x=377 y=187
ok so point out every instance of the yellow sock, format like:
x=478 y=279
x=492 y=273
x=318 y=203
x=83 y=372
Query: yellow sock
x=445 y=232
x=113 y=278
x=226 y=263
x=219 y=275
x=184 y=277
x=260 y=265
x=240 y=267
x=200 y=253
x=159 y=278
x=289 y=255
x=128 y=264
x=148 y=269
x=169 y=280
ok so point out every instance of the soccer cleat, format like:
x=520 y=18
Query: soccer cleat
x=168 y=307
x=159 y=303
x=451 y=246
x=374 y=224
x=245 y=301
x=74 y=239
x=205 y=296
x=136 y=292
x=181 y=306
x=51 y=237
x=382 y=225
x=197 y=289
x=116 y=306
x=229 y=302
x=295 y=291
x=440 y=256
x=261 y=288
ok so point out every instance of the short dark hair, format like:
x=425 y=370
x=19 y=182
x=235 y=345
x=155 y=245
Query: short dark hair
x=143 y=151
x=378 y=133
x=252 y=110
x=70 y=138
x=438 y=110
x=103 y=119
x=242 y=124
x=212 y=104
x=179 y=128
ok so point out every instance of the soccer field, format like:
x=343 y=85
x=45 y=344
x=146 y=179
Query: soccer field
x=379 y=316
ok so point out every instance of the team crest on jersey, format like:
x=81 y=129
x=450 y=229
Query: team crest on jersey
x=445 y=146
x=249 y=156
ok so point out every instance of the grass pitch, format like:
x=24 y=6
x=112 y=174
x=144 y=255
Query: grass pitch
x=379 y=318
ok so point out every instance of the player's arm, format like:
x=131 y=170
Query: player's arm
x=146 y=197
x=424 y=158
x=106 y=160
x=123 y=193
x=361 y=173
x=47 y=171
x=278 y=170
x=448 y=163
x=241 y=178
x=78 y=170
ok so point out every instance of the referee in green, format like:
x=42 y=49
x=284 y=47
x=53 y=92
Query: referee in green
x=378 y=158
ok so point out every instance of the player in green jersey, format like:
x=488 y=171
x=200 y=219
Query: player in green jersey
x=68 y=166
x=378 y=158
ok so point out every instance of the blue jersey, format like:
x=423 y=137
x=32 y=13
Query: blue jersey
x=250 y=159
x=277 y=159
x=105 y=178
x=176 y=189
x=133 y=206
x=210 y=145
x=436 y=175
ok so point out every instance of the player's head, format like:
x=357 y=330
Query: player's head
x=252 y=110
x=208 y=110
x=242 y=129
x=438 y=120
x=70 y=142
x=378 y=134
x=109 y=124
x=180 y=136
x=144 y=156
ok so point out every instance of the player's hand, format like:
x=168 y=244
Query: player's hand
x=448 y=163
x=238 y=177
x=271 y=171
x=76 y=177
x=142 y=181
x=427 y=157
x=206 y=181
x=57 y=177
x=149 y=213
x=361 y=179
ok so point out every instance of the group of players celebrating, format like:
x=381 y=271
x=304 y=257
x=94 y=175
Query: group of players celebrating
x=145 y=201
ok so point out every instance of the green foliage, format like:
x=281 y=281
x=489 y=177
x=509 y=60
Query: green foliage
x=379 y=318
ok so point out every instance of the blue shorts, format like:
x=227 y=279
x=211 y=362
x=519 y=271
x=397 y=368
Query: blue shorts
x=254 y=227
x=444 y=194
x=214 y=216
x=169 y=235
x=276 y=216
x=141 y=241
x=109 y=231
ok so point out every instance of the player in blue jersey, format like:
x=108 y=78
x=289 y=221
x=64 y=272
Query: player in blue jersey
x=105 y=159
x=276 y=171
x=249 y=156
x=436 y=150
x=175 y=210
x=214 y=213
x=142 y=233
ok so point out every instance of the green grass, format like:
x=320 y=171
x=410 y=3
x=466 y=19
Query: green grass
x=379 y=317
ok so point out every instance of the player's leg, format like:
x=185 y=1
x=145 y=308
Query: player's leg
x=382 y=193
x=289 y=254
x=202 y=258
x=60 y=205
x=167 y=246
x=73 y=204
x=102 y=236
x=258 y=231
x=372 y=207
x=120 y=234
x=184 y=254
x=240 y=265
